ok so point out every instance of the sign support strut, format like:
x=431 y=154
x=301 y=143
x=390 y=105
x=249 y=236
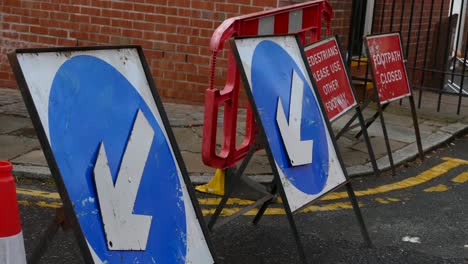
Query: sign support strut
x=416 y=127
x=234 y=177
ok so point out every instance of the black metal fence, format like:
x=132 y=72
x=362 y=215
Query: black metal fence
x=435 y=40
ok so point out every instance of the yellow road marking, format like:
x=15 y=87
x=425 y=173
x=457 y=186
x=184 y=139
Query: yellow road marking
x=386 y=200
x=425 y=176
x=41 y=204
x=437 y=188
x=49 y=204
x=328 y=207
x=24 y=202
x=460 y=161
x=382 y=200
x=461 y=178
x=226 y=211
x=42 y=194
x=216 y=201
x=280 y=211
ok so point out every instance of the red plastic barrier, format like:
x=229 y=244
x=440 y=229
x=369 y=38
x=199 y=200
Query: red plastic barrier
x=304 y=19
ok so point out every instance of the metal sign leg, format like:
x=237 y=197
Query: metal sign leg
x=363 y=125
x=292 y=223
x=372 y=119
x=359 y=217
x=264 y=206
x=416 y=128
x=370 y=150
x=384 y=129
x=233 y=180
x=347 y=127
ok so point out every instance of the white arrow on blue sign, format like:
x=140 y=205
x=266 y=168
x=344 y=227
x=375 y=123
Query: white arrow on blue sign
x=125 y=230
x=299 y=151
x=114 y=156
x=301 y=145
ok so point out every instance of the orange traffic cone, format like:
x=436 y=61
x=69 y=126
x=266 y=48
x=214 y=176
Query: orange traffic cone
x=11 y=236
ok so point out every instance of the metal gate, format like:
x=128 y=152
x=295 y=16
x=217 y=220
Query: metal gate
x=435 y=39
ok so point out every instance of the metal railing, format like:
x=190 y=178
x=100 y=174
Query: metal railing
x=435 y=39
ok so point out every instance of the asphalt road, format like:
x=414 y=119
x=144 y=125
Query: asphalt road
x=418 y=216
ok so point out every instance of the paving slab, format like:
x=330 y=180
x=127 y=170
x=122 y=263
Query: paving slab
x=433 y=123
x=35 y=157
x=28 y=171
x=29 y=132
x=429 y=128
x=454 y=128
x=378 y=146
x=341 y=121
x=359 y=170
x=410 y=151
x=184 y=115
x=11 y=123
x=259 y=164
x=404 y=134
x=345 y=142
x=351 y=157
x=395 y=132
x=196 y=117
x=406 y=153
x=10 y=96
x=194 y=163
x=261 y=152
x=16 y=109
x=398 y=120
x=434 y=140
x=187 y=139
x=14 y=146
x=219 y=135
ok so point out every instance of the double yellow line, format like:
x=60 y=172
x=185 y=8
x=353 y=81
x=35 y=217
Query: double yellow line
x=430 y=174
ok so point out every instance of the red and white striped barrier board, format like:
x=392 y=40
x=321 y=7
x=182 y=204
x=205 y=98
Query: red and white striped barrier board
x=288 y=21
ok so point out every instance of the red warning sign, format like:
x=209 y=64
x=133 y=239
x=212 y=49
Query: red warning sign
x=327 y=66
x=388 y=67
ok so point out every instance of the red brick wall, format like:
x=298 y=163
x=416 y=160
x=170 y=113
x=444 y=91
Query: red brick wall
x=342 y=19
x=174 y=34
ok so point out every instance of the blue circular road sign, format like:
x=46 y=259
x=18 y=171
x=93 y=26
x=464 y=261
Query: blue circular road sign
x=272 y=78
x=92 y=102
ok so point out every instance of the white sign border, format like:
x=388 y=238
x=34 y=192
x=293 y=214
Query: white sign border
x=244 y=48
x=37 y=67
